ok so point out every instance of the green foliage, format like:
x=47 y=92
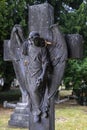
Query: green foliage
x=11 y=95
x=75 y=22
x=11 y=12
x=76 y=72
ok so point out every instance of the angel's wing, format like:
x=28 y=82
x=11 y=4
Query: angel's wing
x=15 y=46
x=58 y=57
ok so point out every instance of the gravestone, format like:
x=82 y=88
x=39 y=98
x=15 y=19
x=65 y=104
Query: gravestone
x=20 y=117
x=74 y=46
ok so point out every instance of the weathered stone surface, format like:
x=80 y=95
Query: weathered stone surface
x=41 y=17
x=74 y=45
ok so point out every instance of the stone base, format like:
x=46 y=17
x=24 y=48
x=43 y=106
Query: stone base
x=20 y=116
x=47 y=123
x=43 y=124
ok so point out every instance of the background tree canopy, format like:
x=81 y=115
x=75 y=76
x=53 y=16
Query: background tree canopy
x=71 y=16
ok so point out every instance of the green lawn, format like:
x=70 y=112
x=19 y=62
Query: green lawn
x=68 y=116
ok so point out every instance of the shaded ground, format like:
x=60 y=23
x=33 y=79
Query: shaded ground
x=11 y=95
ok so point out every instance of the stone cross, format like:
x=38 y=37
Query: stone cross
x=44 y=14
x=41 y=19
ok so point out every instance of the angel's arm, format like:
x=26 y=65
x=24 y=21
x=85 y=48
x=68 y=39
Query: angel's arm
x=44 y=67
x=17 y=31
x=25 y=48
x=44 y=62
x=15 y=43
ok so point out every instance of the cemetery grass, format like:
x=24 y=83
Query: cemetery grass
x=68 y=116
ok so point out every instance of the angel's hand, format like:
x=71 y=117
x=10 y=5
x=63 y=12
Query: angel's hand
x=15 y=30
x=25 y=63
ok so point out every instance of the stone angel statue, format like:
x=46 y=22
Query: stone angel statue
x=39 y=66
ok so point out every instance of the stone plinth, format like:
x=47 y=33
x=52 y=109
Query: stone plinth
x=20 y=116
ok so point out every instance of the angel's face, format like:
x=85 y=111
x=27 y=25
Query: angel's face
x=39 y=42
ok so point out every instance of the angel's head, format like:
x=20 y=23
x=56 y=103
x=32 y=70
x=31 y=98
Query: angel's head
x=33 y=35
x=35 y=39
